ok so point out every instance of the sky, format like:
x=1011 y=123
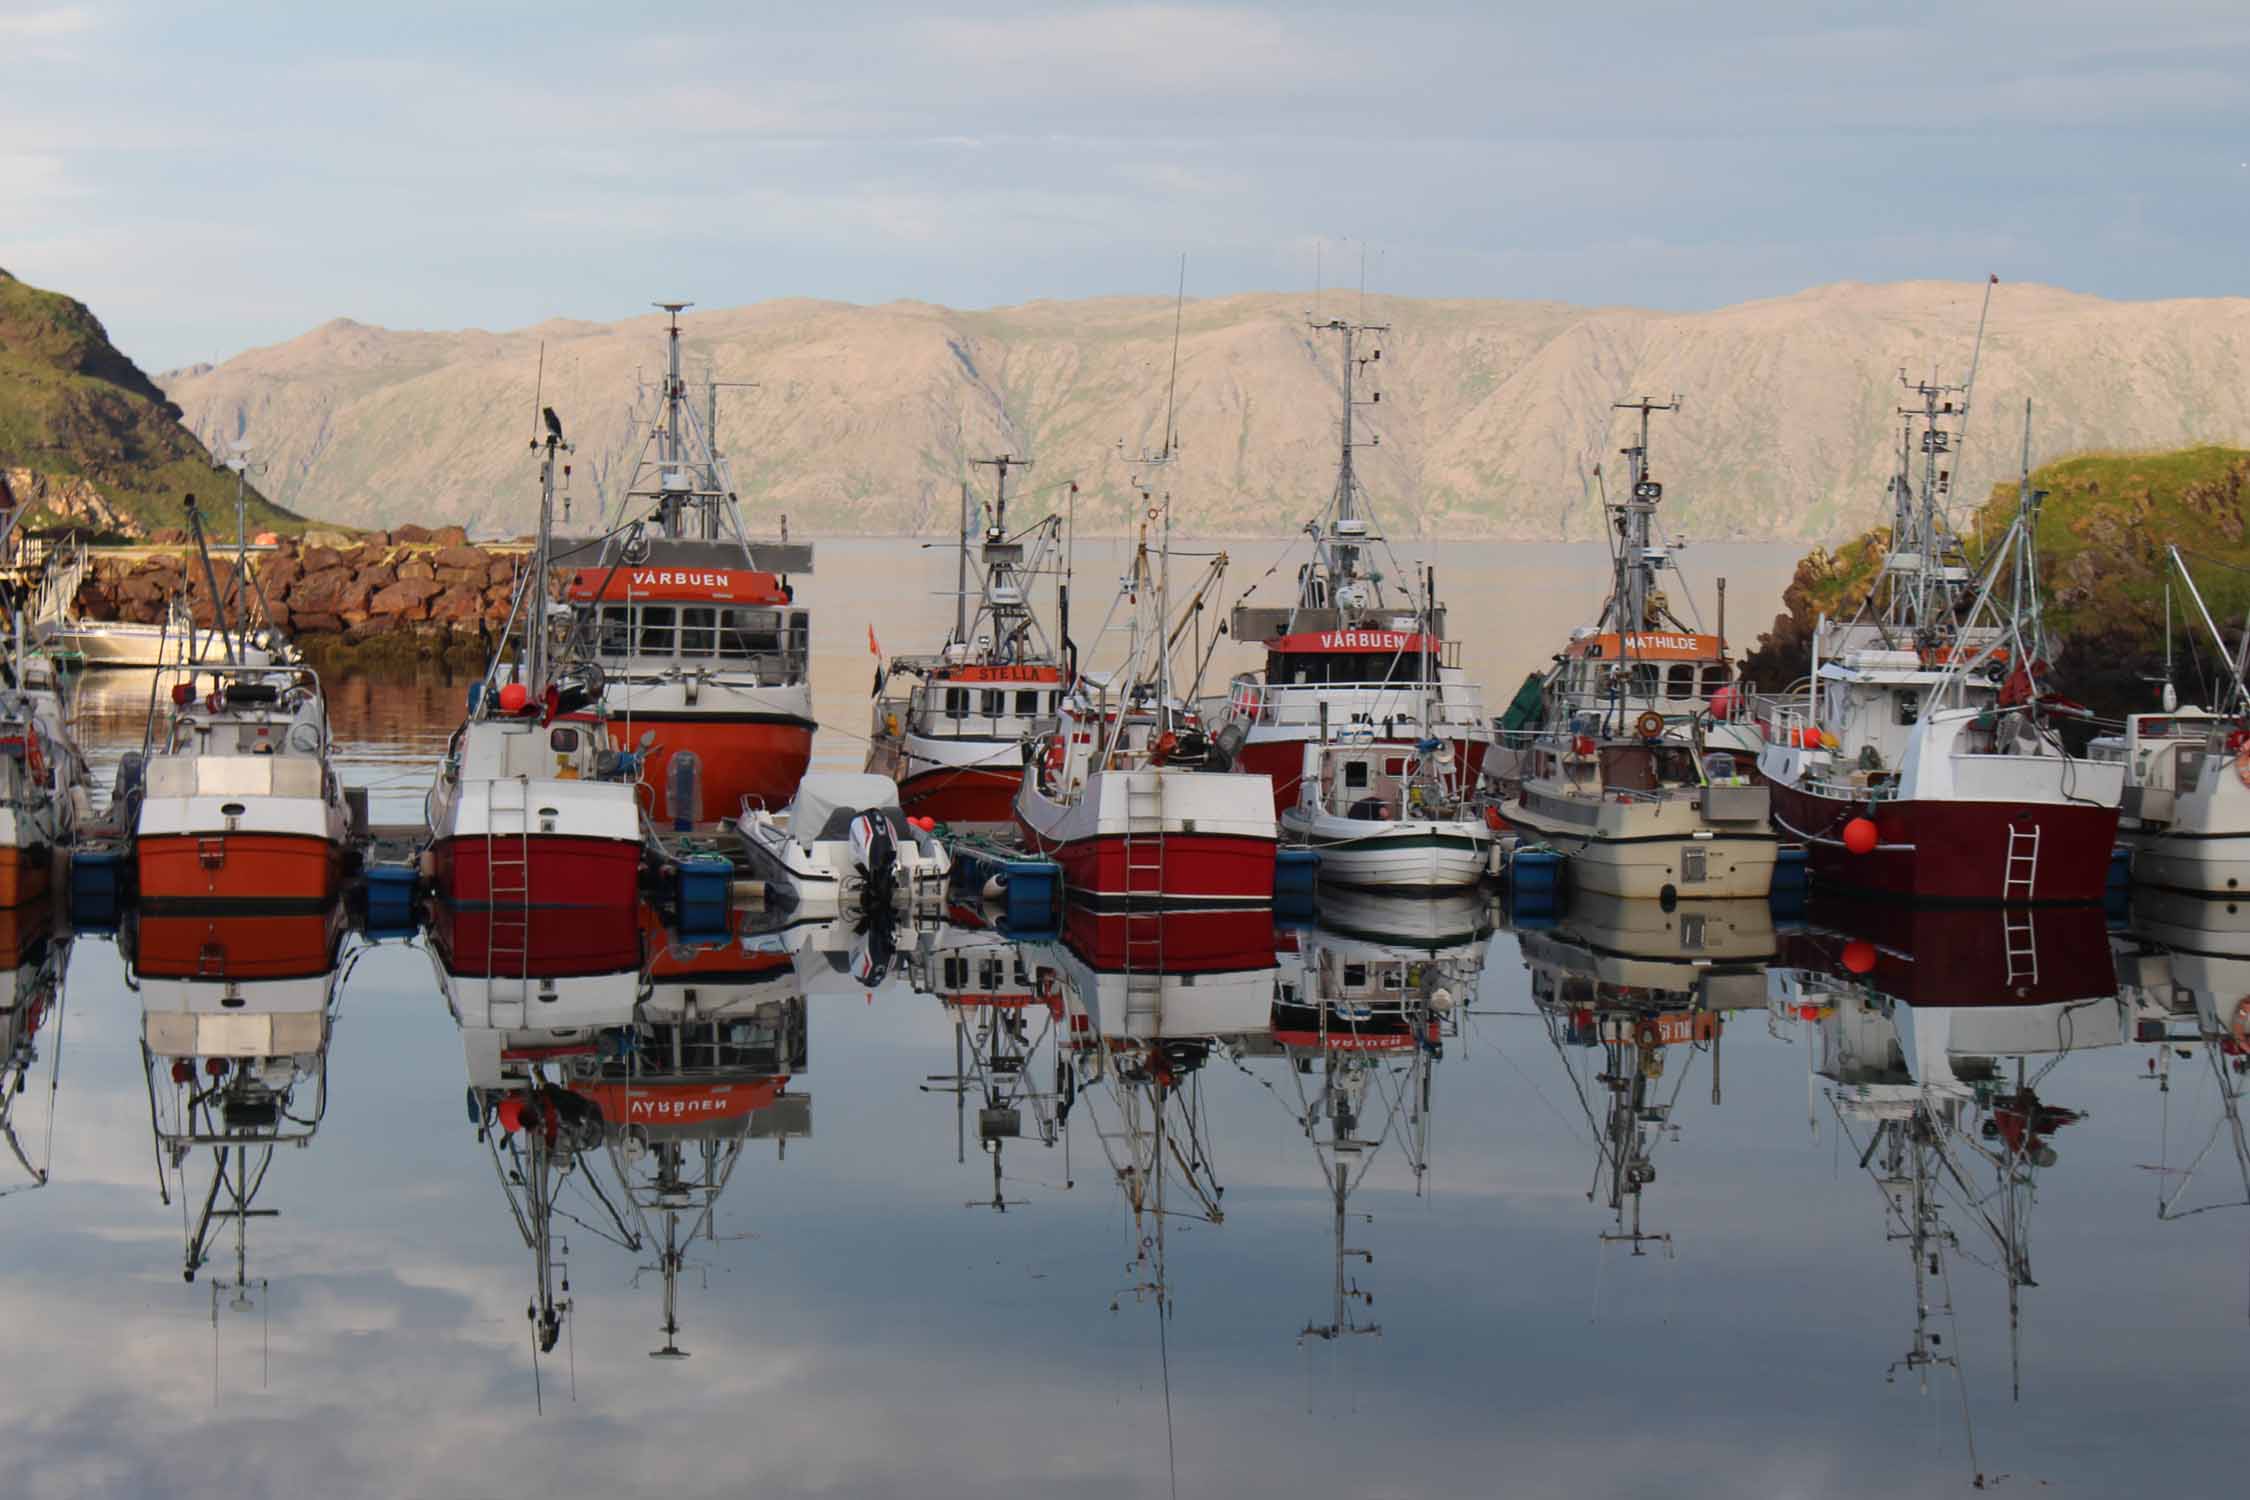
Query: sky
x=212 y=178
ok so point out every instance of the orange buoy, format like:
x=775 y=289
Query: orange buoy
x=513 y=697
x=1859 y=955
x=510 y=1113
x=1861 y=836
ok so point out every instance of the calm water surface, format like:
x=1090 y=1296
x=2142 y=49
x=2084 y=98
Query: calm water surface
x=862 y=1321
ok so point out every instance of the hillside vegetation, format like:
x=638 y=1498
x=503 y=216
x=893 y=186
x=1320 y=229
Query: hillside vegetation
x=2103 y=531
x=86 y=438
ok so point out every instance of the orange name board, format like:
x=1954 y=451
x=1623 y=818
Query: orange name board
x=1649 y=645
x=661 y=585
x=1000 y=674
x=1389 y=642
x=1346 y=1041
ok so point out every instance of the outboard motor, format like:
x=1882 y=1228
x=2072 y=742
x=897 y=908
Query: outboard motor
x=875 y=851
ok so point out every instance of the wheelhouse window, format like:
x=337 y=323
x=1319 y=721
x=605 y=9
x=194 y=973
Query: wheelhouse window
x=1027 y=705
x=1680 y=681
x=744 y=633
x=657 y=630
x=1715 y=677
x=616 y=630
x=957 y=703
x=699 y=630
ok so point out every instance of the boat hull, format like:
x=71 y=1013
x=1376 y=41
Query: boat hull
x=237 y=868
x=560 y=870
x=1405 y=860
x=745 y=758
x=963 y=794
x=1196 y=869
x=1949 y=850
x=2209 y=864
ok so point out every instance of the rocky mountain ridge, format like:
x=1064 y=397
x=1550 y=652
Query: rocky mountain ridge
x=1492 y=420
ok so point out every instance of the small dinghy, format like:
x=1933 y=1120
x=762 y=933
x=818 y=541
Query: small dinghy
x=844 y=845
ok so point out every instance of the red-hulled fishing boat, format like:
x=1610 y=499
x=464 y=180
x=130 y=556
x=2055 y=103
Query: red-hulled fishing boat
x=695 y=627
x=1346 y=656
x=1924 y=761
x=954 y=742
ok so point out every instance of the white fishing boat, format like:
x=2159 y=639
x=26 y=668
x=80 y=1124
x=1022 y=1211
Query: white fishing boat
x=43 y=776
x=843 y=845
x=2185 y=808
x=1641 y=805
x=1388 y=816
x=532 y=807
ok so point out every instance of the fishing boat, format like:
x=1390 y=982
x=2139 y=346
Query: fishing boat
x=953 y=742
x=1129 y=793
x=1643 y=800
x=696 y=629
x=532 y=807
x=1006 y=1016
x=844 y=845
x=43 y=775
x=2185 y=809
x=1647 y=660
x=1389 y=817
x=1925 y=761
x=1347 y=650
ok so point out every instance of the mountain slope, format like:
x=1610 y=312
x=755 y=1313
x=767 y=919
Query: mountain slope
x=1492 y=418
x=85 y=436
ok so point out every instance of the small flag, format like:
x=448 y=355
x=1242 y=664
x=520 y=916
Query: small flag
x=1995 y=278
x=873 y=649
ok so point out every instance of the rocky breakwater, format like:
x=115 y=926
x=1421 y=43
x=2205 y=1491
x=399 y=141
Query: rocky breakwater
x=408 y=594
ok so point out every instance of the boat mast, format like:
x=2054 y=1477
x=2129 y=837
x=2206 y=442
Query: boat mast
x=1636 y=515
x=535 y=615
x=1340 y=548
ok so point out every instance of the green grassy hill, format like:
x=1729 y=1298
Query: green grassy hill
x=2102 y=534
x=86 y=438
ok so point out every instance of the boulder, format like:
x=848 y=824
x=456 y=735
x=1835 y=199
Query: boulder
x=403 y=600
x=418 y=569
x=452 y=577
x=357 y=595
x=316 y=624
x=410 y=533
x=378 y=575
x=331 y=539
x=320 y=559
x=458 y=556
x=458 y=604
x=450 y=536
x=319 y=591
x=277 y=571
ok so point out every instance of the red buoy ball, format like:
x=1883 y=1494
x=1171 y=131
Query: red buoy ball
x=1859 y=955
x=513 y=697
x=215 y=1066
x=1860 y=836
x=182 y=1070
x=510 y=1114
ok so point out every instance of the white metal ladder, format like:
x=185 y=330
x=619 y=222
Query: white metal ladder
x=507 y=880
x=2022 y=871
x=2022 y=946
x=1144 y=836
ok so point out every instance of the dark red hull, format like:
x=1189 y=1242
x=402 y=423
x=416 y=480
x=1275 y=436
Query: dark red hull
x=560 y=870
x=1284 y=761
x=553 y=943
x=1204 y=869
x=1953 y=851
x=1212 y=940
x=962 y=794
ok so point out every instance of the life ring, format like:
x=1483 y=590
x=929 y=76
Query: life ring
x=1650 y=725
x=1647 y=1035
x=1250 y=702
x=2242 y=765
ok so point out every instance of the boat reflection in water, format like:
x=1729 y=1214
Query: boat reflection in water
x=31 y=1002
x=1148 y=998
x=236 y=1016
x=2185 y=966
x=1005 y=1015
x=1361 y=1020
x=1632 y=992
x=1939 y=1058
x=633 y=1065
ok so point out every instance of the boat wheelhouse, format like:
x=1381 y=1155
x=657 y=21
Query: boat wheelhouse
x=1347 y=651
x=953 y=742
x=695 y=627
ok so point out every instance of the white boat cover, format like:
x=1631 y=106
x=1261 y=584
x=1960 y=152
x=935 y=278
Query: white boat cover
x=827 y=801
